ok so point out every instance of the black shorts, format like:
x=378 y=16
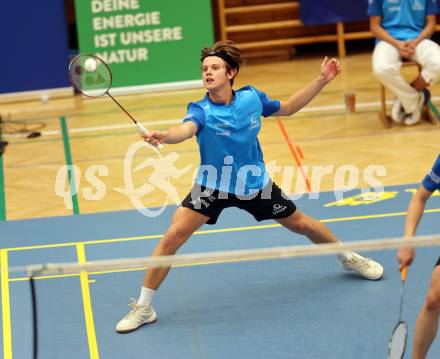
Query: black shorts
x=438 y=262
x=269 y=203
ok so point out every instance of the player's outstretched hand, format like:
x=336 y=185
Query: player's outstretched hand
x=330 y=68
x=405 y=256
x=155 y=137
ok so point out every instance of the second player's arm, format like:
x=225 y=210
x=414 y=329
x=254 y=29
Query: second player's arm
x=406 y=255
x=415 y=211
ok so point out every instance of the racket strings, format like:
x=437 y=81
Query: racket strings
x=94 y=82
x=93 y=78
x=397 y=344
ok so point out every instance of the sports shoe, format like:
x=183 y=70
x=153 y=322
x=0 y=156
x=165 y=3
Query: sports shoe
x=397 y=112
x=366 y=267
x=414 y=117
x=427 y=96
x=138 y=315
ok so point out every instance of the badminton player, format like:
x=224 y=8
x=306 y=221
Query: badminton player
x=427 y=321
x=232 y=173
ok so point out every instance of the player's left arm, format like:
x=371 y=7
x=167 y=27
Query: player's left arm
x=330 y=68
x=427 y=31
x=415 y=210
x=405 y=255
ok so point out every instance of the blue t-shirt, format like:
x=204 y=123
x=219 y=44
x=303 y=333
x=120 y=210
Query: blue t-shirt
x=432 y=180
x=230 y=154
x=403 y=19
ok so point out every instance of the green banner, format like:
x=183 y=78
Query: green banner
x=146 y=42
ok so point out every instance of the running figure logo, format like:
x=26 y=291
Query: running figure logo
x=164 y=168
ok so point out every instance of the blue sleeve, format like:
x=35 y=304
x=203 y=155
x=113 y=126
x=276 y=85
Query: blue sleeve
x=432 y=7
x=432 y=180
x=195 y=114
x=375 y=7
x=269 y=106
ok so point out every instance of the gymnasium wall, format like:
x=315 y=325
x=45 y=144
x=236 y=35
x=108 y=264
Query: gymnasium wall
x=34 y=51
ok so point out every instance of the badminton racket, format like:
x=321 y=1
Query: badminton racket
x=92 y=77
x=397 y=342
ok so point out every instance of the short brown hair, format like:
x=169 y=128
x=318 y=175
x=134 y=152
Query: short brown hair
x=230 y=49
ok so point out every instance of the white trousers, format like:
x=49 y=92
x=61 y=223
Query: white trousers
x=387 y=63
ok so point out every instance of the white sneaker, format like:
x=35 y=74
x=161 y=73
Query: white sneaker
x=138 y=315
x=397 y=112
x=415 y=117
x=366 y=267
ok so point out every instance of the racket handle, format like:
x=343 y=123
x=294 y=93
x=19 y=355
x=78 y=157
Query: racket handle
x=403 y=273
x=144 y=132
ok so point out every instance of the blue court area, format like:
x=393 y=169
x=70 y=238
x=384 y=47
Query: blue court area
x=297 y=308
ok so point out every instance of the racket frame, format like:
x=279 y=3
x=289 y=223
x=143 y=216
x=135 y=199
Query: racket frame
x=142 y=130
x=403 y=272
x=96 y=58
x=392 y=337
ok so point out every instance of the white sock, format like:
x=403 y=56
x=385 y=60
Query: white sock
x=345 y=256
x=146 y=296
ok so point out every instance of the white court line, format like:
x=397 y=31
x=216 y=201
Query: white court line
x=113 y=127
x=358 y=105
x=179 y=120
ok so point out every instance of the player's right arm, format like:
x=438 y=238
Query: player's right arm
x=173 y=135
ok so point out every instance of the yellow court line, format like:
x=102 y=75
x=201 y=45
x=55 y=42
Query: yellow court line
x=21 y=279
x=72 y=244
x=214 y=231
x=6 y=308
x=88 y=314
x=370 y=216
x=373 y=216
x=137 y=238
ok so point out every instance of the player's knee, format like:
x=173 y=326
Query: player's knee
x=383 y=70
x=435 y=64
x=432 y=301
x=435 y=69
x=174 y=237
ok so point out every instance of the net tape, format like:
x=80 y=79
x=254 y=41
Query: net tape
x=230 y=256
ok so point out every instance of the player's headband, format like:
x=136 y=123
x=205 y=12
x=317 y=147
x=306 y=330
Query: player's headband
x=224 y=56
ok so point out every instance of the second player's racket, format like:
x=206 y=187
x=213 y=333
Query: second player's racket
x=397 y=343
x=91 y=76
